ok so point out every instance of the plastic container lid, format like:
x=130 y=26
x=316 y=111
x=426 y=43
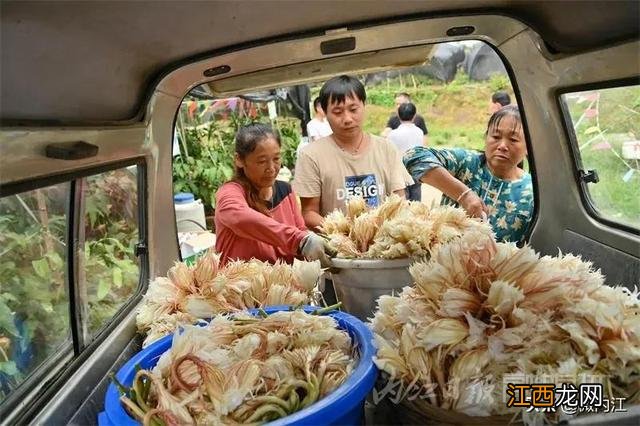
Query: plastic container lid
x=183 y=198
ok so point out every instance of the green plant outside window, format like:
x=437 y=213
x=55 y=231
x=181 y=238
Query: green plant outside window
x=111 y=232
x=35 y=324
x=606 y=123
x=34 y=302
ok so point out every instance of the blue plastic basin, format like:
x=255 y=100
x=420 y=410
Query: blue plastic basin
x=343 y=406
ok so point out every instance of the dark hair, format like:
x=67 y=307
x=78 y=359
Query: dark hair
x=501 y=97
x=316 y=102
x=247 y=138
x=338 y=88
x=403 y=94
x=496 y=118
x=407 y=111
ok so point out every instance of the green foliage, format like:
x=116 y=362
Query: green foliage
x=34 y=302
x=605 y=119
x=206 y=154
x=456 y=113
x=381 y=96
x=499 y=82
x=207 y=149
x=290 y=138
x=462 y=79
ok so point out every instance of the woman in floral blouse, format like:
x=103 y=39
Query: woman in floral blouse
x=487 y=185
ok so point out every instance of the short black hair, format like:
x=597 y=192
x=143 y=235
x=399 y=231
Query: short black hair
x=501 y=97
x=506 y=111
x=316 y=102
x=340 y=87
x=407 y=111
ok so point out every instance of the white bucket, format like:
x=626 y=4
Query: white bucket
x=359 y=282
x=189 y=213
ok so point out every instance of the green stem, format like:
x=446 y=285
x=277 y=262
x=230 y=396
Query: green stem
x=262 y=313
x=123 y=390
x=272 y=400
x=264 y=410
x=313 y=392
x=139 y=387
x=327 y=309
x=133 y=408
x=294 y=401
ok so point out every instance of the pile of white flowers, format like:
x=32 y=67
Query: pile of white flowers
x=201 y=291
x=243 y=370
x=396 y=229
x=482 y=310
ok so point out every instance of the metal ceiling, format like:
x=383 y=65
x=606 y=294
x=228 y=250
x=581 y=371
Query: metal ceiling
x=96 y=60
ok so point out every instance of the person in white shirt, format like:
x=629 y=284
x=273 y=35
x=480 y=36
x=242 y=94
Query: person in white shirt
x=318 y=127
x=406 y=136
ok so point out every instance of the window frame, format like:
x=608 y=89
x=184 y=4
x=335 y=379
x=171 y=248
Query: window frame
x=47 y=377
x=510 y=73
x=574 y=146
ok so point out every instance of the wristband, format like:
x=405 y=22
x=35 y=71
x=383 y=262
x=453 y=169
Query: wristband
x=462 y=195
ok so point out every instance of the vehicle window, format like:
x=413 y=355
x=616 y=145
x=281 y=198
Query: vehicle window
x=606 y=123
x=111 y=271
x=35 y=316
x=34 y=301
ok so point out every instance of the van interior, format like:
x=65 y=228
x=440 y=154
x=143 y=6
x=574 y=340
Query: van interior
x=91 y=94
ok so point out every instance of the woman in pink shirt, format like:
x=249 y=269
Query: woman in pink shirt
x=256 y=215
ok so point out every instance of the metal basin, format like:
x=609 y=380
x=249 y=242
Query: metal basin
x=359 y=283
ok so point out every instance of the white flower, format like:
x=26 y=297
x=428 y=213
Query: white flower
x=307 y=273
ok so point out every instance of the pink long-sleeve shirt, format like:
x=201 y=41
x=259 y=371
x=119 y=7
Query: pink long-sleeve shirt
x=244 y=233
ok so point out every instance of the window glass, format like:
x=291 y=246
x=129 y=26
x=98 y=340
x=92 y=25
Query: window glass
x=34 y=302
x=35 y=323
x=606 y=123
x=110 y=271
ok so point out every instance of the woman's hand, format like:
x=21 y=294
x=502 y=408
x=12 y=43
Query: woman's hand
x=473 y=205
x=314 y=247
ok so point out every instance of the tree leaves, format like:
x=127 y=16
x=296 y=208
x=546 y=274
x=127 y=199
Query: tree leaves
x=103 y=288
x=117 y=277
x=7 y=320
x=41 y=266
x=9 y=368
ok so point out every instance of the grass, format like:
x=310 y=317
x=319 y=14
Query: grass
x=600 y=136
x=614 y=198
x=456 y=114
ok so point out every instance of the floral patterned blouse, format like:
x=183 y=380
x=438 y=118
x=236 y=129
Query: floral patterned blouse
x=510 y=202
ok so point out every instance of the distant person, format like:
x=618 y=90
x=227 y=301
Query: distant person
x=487 y=185
x=498 y=100
x=350 y=162
x=258 y=216
x=318 y=127
x=394 y=120
x=405 y=137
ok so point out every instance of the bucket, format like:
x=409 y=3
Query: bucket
x=343 y=406
x=189 y=213
x=359 y=282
